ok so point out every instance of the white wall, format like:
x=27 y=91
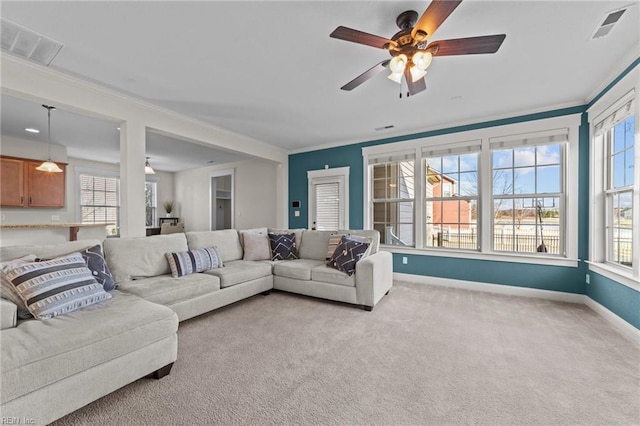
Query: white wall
x=255 y=195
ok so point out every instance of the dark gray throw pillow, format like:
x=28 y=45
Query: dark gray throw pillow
x=98 y=267
x=347 y=254
x=283 y=246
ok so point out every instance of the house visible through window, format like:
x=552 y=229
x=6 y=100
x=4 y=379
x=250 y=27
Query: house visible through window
x=393 y=200
x=452 y=201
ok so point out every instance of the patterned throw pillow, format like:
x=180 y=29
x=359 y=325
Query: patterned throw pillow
x=347 y=254
x=283 y=246
x=256 y=247
x=8 y=291
x=56 y=287
x=190 y=262
x=334 y=242
x=98 y=267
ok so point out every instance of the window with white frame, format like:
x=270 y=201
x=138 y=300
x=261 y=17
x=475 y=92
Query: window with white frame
x=393 y=196
x=451 y=196
x=99 y=197
x=100 y=201
x=151 y=203
x=528 y=195
x=498 y=191
x=615 y=143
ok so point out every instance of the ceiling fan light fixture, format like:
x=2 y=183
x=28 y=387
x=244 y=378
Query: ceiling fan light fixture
x=148 y=170
x=417 y=73
x=395 y=76
x=398 y=63
x=422 y=60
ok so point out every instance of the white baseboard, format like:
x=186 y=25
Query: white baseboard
x=629 y=331
x=626 y=329
x=558 y=296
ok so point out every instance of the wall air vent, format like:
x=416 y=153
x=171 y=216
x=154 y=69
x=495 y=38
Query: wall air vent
x=28 y=44
x=608 y=22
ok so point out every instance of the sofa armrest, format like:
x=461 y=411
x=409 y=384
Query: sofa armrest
x=374 y=278
x=8 y=314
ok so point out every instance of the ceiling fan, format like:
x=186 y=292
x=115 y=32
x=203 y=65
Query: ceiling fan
x=411 y=53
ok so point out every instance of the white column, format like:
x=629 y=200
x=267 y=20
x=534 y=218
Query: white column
x=132 y=179
x=282 y=195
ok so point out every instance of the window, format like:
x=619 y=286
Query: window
x=393 y=199
x=451 y=196
x=151 y=203
x=100 y=201
x=497 y=193
x=616 y=136
x=620 y=146
x=328 y=198
x=527 y=199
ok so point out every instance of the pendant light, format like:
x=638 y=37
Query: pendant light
x=148 y=170
x=49 y=166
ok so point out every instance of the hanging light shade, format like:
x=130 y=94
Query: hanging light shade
x=395 y=76
x=148 y=170
x=49 y=166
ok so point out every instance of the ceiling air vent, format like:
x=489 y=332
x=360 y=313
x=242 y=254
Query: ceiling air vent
x=28 y=44
x=378 y=129
x=608 y=22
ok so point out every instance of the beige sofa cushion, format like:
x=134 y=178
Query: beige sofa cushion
x=330 y=275
x=8 y=314
x=46 y=252
x=314 y=244
x=226 y=241
x=299 y=269
x=166 y=290
x=38 y=353
x=134 y=258
x=240 y=271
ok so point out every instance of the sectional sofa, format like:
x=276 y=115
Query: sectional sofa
x=52 y=367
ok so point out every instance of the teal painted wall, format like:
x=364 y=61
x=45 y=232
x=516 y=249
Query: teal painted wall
x=620 y=299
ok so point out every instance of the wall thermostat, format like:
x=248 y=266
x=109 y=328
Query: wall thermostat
x=295 y=204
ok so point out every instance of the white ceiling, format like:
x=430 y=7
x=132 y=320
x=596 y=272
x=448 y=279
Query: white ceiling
x=269 y=70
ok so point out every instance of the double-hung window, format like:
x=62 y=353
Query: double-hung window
x=451 y=198
x=100 y=201
x=393 y=197
x=616 y=185
x=492 y=193
x=528 y=193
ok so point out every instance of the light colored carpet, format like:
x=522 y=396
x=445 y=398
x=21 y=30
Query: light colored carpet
x=425 y=355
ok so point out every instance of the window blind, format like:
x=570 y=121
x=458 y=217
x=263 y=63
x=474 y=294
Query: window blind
x=537 y=138
x=391 y=157
x=621 y=111
x=327 y=206
x=458 y=149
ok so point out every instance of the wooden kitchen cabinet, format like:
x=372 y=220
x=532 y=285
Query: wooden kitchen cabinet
x=21 y=185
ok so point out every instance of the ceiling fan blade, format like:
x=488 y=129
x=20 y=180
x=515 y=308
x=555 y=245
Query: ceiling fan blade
x=366 y=75
x=355 y=36
x=467 y=46
x=432 y=18
x=414 y=86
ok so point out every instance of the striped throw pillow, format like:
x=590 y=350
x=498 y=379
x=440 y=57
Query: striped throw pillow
x=56 y=287
x=190 y=262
